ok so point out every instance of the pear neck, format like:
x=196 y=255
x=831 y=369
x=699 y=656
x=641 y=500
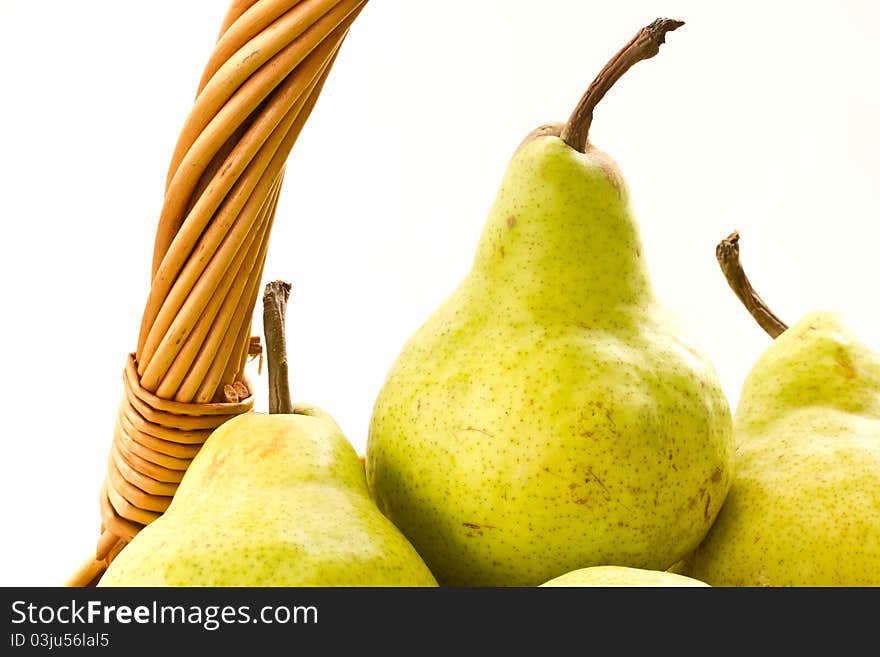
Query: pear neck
x=562 y=233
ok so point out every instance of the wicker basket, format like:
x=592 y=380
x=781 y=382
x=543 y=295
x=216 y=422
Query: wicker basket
x=186 y=377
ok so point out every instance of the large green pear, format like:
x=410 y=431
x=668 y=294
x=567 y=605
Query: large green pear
x=804 y=504
x=277 y=499
x=622 y=576
x=551 y=414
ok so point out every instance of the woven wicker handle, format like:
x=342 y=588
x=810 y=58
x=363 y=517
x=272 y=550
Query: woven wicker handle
x=186 y=376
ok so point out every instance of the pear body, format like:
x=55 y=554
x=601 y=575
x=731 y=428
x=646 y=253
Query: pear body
x=271 y=500
x=622 y=576
x=804 y=505
x=551 y=415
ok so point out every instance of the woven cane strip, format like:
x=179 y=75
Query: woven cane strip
x=135 y=477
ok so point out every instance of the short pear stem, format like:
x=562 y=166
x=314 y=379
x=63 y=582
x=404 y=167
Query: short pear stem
x=727 y=254
x=644 y=45
x=275 y=299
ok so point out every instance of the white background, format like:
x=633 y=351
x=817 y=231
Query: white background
x=759 y=115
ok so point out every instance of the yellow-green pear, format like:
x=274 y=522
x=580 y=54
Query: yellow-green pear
x=804 y=504
x=276 y=499
x=622 y=576
x=551 y=414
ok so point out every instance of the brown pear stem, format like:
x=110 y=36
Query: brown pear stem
x=274 y=309
x=727 y=254
x=644 y=45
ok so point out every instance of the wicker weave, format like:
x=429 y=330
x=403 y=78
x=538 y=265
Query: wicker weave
x=187 y=377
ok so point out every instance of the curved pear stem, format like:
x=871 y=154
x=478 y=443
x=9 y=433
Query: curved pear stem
x=274 y=309
x=644 y=45
x=727 y=254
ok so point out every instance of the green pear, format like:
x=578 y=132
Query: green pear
x=804 y=504
x=276 y=499
x=551 y=414
x=622 y=576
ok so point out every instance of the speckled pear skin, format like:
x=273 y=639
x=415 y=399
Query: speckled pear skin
x=271 y=500
x=621 y=576
x=551 y=415
x=804 y=505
